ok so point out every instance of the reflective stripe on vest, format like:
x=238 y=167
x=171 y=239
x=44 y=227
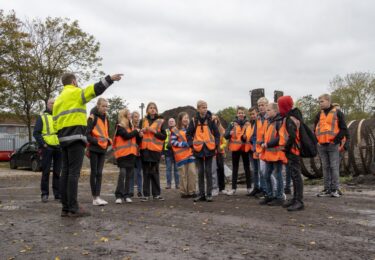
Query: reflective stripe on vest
x=149 y=141
x=327 y=127
x=273 y=154
x=235 y=141
x=100 y=132
x=181 y=153
x=203 y=136
x=123 y=147
x=69 y=109
x=48 y=132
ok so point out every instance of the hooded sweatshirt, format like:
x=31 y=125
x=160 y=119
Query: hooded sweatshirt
x=94 y=147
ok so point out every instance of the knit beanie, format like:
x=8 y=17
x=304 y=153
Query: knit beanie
x=285 y=104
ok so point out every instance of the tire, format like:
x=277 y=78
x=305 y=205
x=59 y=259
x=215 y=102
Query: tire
x=35 y=165
x=12 y=164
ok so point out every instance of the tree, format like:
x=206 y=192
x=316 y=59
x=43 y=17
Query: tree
x=18 y=90
x=228 y=114
x=355 y=93
x=59 y=45
x=309 y=107
x=116 y=103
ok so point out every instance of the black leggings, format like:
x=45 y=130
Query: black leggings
x=151 y=177
x=97 y=164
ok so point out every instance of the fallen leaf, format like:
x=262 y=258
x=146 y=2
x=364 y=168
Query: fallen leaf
x=222 y=211
x=330 y=217
x=185 y=249
x=244 y=253
x=173 y=225
x=57 y=258
x=85 y=253
x=171 y=207
x=11 y=258
x=75 y=234
x=23 y=251
x=293 y=219
x=118 y=238
x=102 y=210
x=302 y=225
x=104 y=239
x=312 y=243
x=302 y=230
x=237 y=207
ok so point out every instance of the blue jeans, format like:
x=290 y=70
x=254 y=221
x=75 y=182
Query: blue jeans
x=275 y=169
x=138 y=174
x=256 y=179
x=169 y=161
x=262 y=174
x=288 y=177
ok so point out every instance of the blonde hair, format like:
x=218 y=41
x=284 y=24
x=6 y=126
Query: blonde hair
x=123 y=118
x=326 y=97
x=100 y=101
x=150 y=104
x=274 y=106
x=263 y=100
x=201 y=103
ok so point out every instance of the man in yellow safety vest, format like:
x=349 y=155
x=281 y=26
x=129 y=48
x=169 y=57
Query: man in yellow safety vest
x=69 y=115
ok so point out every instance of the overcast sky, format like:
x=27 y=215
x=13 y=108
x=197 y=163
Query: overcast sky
x=176 y=52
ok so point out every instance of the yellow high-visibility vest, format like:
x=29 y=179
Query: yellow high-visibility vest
x=49 y=133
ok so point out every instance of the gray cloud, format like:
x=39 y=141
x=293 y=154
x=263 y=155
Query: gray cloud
x=175 y=52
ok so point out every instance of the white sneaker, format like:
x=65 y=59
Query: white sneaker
x=231 y=192
x=103 y=202
x=215 y=192
x=248 y=191
x=118 y=201
x=96 y=202
x=223 y=192
x=128 y=200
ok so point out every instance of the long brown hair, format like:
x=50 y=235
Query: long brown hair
x=179 y=119
x=148 y=106
x=216 y=120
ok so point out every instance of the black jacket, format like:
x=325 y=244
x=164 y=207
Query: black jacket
x=292 y=128
x=91 y=123
x=341 y=122
x=152 y=156
x=129 y=160
x=190 y=132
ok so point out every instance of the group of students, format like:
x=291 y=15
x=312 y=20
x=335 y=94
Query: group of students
x=270 y=138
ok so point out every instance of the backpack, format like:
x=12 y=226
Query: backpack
x=308 y=147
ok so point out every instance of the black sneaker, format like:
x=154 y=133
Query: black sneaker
x=200 y=198
x=335 y=194
x=144 y=199
x=253 y=192
x=288 y=203
x=259 y=195
x=139 y=194
x=276 y=202
x=209 y=199
x=44 y=198
x=194 y=195
x=287 y=191
x=64 y=213
x=159 y=198
x=80 y=213
x=265 y=201
x=184 y=196
x=298 y=205
x=324 y=193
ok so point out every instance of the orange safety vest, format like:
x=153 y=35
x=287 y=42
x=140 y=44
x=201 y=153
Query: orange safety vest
x=249 y=133
x=261 y=129
x=149 y=141
x=273 y=154
x=284 y=136
x=181 y=153
x=203 y=136
x=327 y=127
x=100 y=132
x=123 y=147
x=235 y=141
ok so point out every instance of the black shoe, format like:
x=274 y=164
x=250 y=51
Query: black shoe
x=194 y=195
x=253 y=192
x=276 y=202
x=139 y=195
x=64 y=213
x=184 y=196
x=259 y=195
x=44 y=198
x=287 y=191
x=265 y=201
x=209 y=199
x=288 y=203
x=296 y=206
x=200 y=198
x=57 y=197
x=177 y=187
x=168 y=187
x=80 y=213
x=159 y=198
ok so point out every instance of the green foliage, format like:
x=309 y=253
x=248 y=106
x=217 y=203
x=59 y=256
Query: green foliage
x=228 y=114
x=115 y=105
x=355 y=93
x=309 y=107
